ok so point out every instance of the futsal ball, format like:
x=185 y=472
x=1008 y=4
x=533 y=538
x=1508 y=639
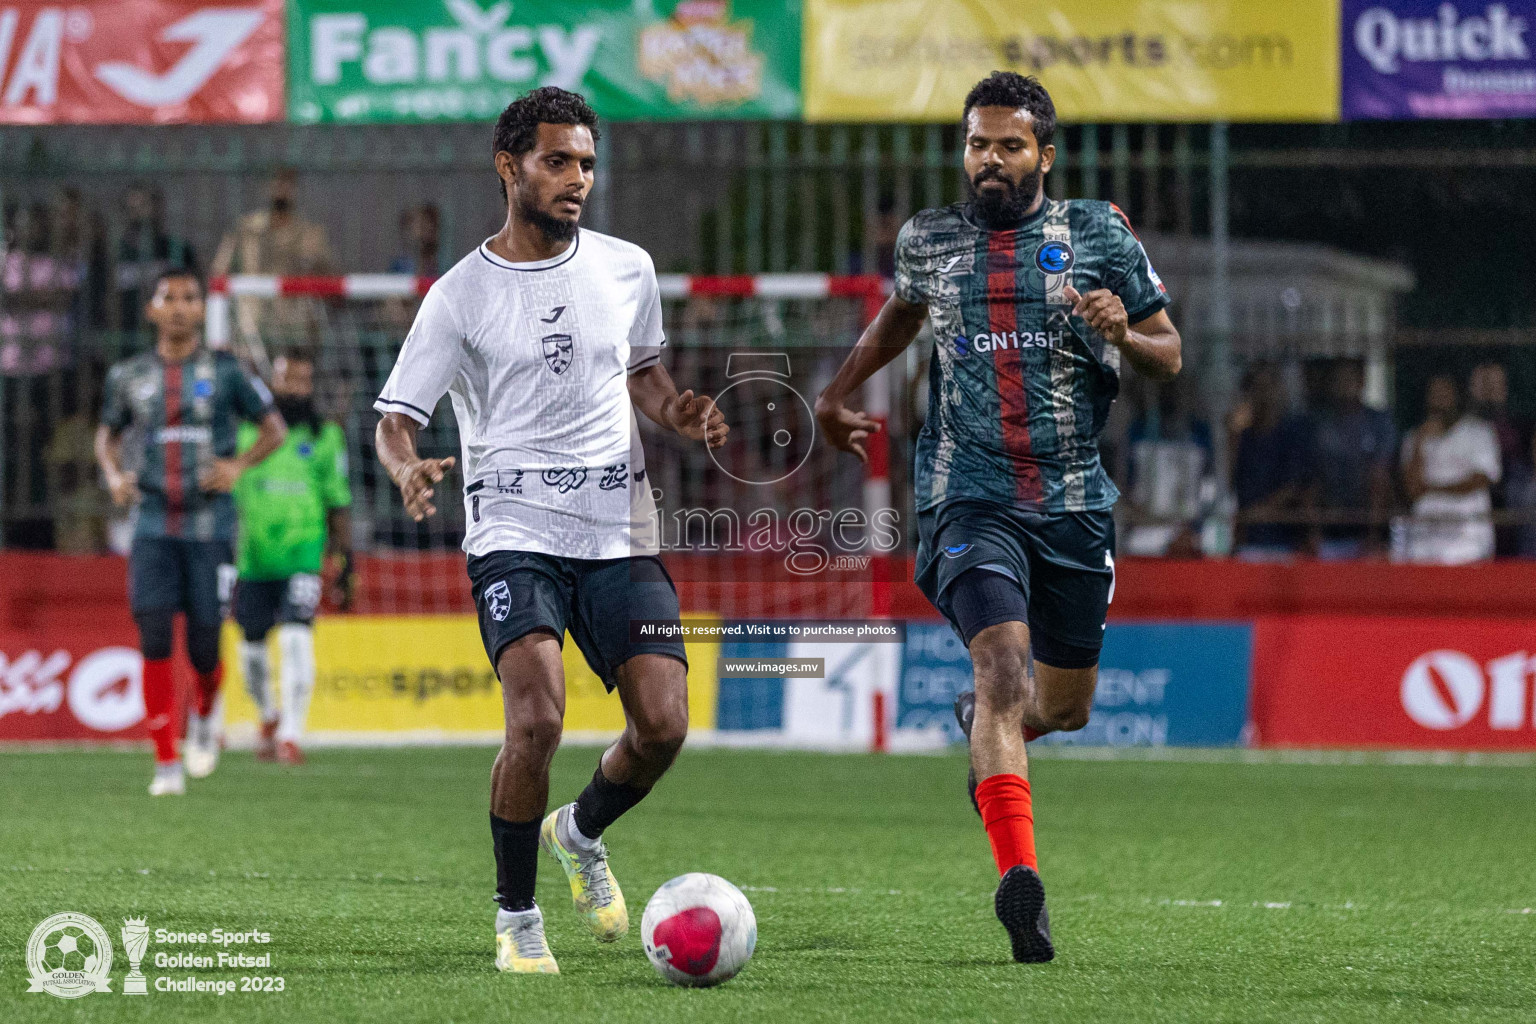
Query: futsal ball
x=698 y=930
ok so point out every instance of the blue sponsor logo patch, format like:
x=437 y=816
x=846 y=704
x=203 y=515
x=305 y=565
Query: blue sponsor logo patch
x=305 y=450
x=1055 y=257
x=202 y=388
x=962 y=345
x=956 y=550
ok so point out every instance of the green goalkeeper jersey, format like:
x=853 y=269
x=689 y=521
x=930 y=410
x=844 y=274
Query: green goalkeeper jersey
x=283 y=502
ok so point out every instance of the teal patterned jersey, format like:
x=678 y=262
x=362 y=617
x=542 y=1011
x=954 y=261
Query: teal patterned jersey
x=1019 y=389
x=179 y=417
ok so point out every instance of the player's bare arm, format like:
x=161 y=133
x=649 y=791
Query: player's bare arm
x=395 y=440
x=222 y=474
x=695 y=417
x=123 y=485
x=1152 y=345
x=887 y=336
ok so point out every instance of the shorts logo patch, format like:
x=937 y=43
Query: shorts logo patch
x=1055 y=257
x=956 y=550
x=499 y=598
x=557 y=351
x=565 y=480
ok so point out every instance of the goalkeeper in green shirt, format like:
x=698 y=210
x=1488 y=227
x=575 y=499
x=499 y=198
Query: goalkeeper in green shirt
x=294 y=518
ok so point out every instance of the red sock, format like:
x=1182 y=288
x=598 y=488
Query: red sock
x=1005 y=811
x=208 y=684
x=160 y=707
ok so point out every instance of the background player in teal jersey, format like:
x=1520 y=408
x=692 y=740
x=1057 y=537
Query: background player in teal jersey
x=294 y=514
x=1034 y=302
x=182 y=402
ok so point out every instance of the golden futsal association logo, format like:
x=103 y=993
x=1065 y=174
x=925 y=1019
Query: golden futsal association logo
x=69 y=955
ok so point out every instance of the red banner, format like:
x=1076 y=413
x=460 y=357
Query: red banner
x=1437 y=684
x=145 y=61
x=69 y=661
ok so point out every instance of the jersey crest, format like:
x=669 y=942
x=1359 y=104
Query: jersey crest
x=557 y=351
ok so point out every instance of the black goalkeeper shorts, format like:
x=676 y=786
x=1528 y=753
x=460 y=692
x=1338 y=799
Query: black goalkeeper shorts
x=518 y=592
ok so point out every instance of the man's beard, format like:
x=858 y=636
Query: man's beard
x=1006 y=208
x=298 y=410
x=552 y=228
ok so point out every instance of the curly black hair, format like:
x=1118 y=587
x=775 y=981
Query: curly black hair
x=517 y=129
x=1011 y=89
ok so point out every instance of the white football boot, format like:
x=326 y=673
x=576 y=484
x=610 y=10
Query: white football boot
x=169 y=780
x=520 y=944
x=204 y=738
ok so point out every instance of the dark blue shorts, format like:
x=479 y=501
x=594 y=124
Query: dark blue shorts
x=1064 y=562
x=168 y=574
x=518 y=592
x=262 y=604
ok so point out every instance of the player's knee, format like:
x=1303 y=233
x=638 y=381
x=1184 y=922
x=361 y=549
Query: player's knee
x=536 y=732
x=154 y=635
x=1001 y=666
x=658 y=741
x=1066 y=718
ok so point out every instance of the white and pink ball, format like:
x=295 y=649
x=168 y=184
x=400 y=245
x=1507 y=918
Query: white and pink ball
x=698 y=930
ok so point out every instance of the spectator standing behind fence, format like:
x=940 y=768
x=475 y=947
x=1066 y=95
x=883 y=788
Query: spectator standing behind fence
x=420 y=233
x=144 y=252
x=279 y=241
x=1450 y=463
x=1269 y=467
x=1488 y=399
x=1350 y=458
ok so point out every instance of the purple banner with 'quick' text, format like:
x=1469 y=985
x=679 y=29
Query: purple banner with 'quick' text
x=1438 y=59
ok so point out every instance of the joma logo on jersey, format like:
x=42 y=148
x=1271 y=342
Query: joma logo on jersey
x=565 y=480
x=615 y=478
x=557 y=351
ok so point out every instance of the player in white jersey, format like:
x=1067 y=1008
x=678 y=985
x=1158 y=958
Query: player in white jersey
x=548 y=338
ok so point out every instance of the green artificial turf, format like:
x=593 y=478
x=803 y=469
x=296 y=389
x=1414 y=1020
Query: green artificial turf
x=1179 y=891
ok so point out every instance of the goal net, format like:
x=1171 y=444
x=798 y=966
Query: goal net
x=774 y=525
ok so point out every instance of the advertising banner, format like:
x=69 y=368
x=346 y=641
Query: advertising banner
x=1434 y=59
x=1160 y=684
x=1438 y=684
x=145 y=62
x=435 y=60
x=1102 y=60
x=71 y=685
x=428 y=674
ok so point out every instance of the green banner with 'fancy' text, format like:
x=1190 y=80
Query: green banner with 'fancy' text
x=355 y=61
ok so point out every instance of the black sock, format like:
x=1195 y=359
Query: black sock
x=601 y=803
x=517 y=861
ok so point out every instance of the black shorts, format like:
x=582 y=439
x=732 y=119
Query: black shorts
x=169 y=574
x=262 y=604
x=1063 y=561
x=517 y=592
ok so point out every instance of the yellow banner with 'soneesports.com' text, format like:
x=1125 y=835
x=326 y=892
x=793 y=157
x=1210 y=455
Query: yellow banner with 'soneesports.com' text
x=1102 y=60
x=428 y=675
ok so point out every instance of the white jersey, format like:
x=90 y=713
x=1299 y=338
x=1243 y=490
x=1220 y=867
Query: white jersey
x=536 y=357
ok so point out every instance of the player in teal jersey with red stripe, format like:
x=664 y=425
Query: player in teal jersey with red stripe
x=1034 y=303
x=181 y=402
x=294 y=511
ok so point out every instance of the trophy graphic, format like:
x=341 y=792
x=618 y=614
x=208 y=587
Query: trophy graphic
x=136 y=941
